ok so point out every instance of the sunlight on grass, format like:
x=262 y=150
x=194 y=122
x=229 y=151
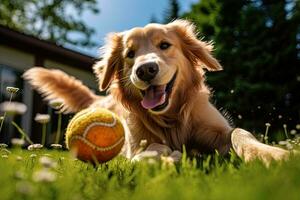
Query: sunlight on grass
x=52 y=174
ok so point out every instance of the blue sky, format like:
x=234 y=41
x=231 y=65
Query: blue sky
x=120 y=15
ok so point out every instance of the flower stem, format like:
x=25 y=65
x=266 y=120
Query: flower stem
x=22 y=132
x=285 y=131
x=44 y=134
x=266 y=135
x=58 y=128
x=4 y=115
x=2 y=121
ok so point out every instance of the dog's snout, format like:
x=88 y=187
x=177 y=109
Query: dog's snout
x=147 y=71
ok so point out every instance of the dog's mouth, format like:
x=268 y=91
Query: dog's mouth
x=156 y=97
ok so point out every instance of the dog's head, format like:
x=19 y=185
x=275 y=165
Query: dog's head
x=154 y=63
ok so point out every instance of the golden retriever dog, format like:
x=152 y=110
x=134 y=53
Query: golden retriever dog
x=155 y=77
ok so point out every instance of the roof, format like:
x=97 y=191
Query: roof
x=45 y=49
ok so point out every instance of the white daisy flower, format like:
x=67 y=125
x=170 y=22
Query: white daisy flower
x=19 y=158
x=56 y=104
x=47 y=162
x=293 y=132
x=56 y=146
x=42 y=118
x=13 y=107
x=44 y=175
x=17 y=142
x=3 y=146
x=4 y=156
x=34 y=147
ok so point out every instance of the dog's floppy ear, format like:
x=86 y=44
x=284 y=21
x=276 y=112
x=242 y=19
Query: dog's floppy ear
x=197 y=51
x=106 y=68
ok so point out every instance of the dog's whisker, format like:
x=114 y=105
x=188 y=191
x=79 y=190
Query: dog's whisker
x=124 y=78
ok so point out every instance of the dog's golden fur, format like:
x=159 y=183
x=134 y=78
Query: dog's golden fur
x=189 y=119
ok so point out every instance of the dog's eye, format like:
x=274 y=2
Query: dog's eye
x=130 y=54
x=164 y=45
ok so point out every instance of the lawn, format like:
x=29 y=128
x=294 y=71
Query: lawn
x=52 y=174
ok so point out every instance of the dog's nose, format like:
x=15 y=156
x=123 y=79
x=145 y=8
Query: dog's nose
x=147 y=71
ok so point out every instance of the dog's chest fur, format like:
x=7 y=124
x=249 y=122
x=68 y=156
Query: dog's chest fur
x=173 y=133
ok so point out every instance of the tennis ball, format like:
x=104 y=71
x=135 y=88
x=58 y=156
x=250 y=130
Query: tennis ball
x=95 y=135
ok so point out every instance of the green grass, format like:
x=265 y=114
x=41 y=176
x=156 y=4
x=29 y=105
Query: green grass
x=209 y=178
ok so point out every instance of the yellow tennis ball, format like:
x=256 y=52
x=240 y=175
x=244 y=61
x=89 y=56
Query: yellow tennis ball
x=95 y=135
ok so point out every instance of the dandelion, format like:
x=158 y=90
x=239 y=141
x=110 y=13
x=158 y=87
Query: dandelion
x=293 y=132
x=240 y=116
x=56 y=146
x=167 y=160
x=279 y=116
x=12 y=90
x=285 y=131
x=44 y=175
x=268 y=125
x=231 y=91
x=19 y=158
x=4 y=156
x=5 y=151
x=289 y=146
x=47 y=162
x=13 y=108
x=43 y=119
x=143 y=143
x=298 y=126
x=17 y=142
x=34 y=147
x=57 y=104
x=3 y=146
x=142 y=146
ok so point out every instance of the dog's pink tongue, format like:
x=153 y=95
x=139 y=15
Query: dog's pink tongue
x=154 y=96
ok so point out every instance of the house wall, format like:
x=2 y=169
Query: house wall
x=20 y=61
x=86 y=77
x=14 y=58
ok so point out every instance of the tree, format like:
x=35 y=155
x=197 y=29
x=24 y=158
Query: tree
x=256 y=42
x=52 y=20
x=153 y=19
x=172 y=12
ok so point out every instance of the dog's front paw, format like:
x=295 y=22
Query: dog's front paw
x=153 y=152
x=264 y=152
x=153 y=155
x=248 y=148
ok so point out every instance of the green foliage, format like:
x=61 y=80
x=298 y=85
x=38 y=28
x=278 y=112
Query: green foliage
x=23 y=176
x=53 y=20
x=172 y=12
x=256 y=42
